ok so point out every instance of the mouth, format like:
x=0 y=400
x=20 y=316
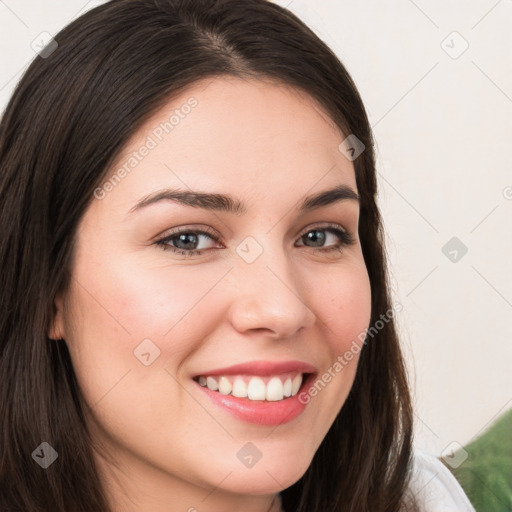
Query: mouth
x=259 y=392
x=258 y=388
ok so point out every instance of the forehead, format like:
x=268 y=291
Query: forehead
x=249 y=136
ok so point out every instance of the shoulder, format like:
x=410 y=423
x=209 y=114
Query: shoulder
x=435 y=487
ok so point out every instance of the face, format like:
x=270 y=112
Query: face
x=165 y=290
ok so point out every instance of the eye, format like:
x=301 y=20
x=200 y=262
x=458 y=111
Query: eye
x=318 y=237
x=185 y=238
x=185 y=241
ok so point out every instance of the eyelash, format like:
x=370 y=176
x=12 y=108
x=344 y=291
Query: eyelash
x=345 y=240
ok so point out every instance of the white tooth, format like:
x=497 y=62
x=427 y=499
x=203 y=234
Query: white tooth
x=274 y=389
x=239 y=388
x=212 y=383
x=256 y=389
x=287 y=388
x=202 y=380
x=297 y=381
x=224 y=386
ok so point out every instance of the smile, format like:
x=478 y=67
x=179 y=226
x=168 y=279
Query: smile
x=270 y=388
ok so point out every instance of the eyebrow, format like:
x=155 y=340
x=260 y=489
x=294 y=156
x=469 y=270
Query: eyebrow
x=226 y=203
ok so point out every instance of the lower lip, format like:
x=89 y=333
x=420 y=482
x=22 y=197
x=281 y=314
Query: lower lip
x=262 y=412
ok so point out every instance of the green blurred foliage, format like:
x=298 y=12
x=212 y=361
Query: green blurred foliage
x=486 y=475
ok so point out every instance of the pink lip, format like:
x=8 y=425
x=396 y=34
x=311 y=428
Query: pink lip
x=261 y=368
x=262 y=412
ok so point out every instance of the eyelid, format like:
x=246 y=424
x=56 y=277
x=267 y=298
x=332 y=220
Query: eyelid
x=324 y=225
x=344 y=236
x=187 y=229
x=211 y=232
x=332 y=227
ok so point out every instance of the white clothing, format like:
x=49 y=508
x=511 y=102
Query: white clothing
x=435 y=487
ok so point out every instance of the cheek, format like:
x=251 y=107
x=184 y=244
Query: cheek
x=343 y=304
x=128 y=331
x=343 y=308
x=124 y=310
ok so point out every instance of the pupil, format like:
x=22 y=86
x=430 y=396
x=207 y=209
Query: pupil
x=183 y=238
x=313 y=237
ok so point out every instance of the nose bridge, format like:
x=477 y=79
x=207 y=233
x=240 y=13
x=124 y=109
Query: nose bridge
x=267 y=292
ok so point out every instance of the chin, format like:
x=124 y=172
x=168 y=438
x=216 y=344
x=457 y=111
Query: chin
x=266 y=478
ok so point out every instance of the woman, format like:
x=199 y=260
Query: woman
x=192 y=262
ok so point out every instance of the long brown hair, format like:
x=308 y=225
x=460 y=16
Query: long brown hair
x=69 y=117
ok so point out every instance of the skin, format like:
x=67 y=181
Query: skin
x=269 y=146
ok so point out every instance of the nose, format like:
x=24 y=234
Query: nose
x=269 y=296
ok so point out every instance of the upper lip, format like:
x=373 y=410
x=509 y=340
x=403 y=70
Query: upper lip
x=262 y=368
